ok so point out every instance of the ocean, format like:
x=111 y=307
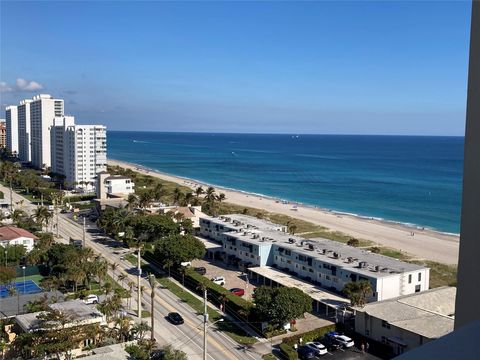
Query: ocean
x=413 y=180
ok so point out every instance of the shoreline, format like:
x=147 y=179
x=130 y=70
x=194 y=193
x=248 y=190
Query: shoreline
x=427 y=244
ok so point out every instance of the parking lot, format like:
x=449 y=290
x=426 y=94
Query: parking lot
x=233 y=277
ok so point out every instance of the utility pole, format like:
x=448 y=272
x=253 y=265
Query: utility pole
x=84 y=237
x=152 y=281
x=205 y=322
x=139 y=275
x=58 y=225
x=11 y=196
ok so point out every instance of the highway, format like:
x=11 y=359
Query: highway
x=187 y=337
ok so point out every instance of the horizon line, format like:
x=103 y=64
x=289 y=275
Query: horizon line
x=279 y=133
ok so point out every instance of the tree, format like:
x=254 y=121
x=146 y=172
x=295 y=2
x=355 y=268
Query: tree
x=358 y=292
x=353 y=242
x=7 y=274
x=52 y=339
x=282 y=304
x=179 y=248
x=169 y=353
x=42 y=216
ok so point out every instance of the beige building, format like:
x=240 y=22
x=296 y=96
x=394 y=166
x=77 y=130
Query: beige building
x=409 y=321
x=3 y=133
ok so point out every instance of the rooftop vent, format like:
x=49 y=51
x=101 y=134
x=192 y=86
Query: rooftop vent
x=291 y=240
x=310 y=247
x=362 y=264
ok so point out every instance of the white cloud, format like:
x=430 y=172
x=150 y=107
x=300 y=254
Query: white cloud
x=25 y=85
x=4 y=87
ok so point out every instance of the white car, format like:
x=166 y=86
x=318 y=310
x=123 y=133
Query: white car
x=91 y=299
x=219 y=280
x=345 y=341
x=318 y=347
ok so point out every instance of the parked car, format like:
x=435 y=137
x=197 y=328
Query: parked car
x=186 y=263
x=200 y=270
x=343 y=340
x=219 y=280
x=331 y=343
x=237 y=291
x=306 y=352
x=91 y=299
x=175 y=318
x=319 y=348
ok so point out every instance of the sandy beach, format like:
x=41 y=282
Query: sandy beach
x=424 y=244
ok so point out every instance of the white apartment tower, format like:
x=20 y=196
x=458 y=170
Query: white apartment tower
x=11 y=122
x=84 y=153
x=43 y=109
x=24 y=132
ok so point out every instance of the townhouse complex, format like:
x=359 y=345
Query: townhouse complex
x=254 y=243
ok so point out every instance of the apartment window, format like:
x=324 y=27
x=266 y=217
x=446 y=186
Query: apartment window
x=419 y=276
x=410 y=278
x=417 y=288
x=385 y=324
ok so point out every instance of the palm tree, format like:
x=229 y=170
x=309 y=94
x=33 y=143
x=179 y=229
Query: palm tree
x=177 y=196
x=221 y=197
x=122 y=278
x=132 y=201
x=188 y=198
x=210 y=195
x=114 y=267
x=130 y=284
x=158 y=192
x=199 y=191
x=42 y=215
x=168 y=263
x=152 y=282
x=145 y=199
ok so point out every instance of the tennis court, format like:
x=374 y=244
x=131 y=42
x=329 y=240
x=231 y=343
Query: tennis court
x=27 y=287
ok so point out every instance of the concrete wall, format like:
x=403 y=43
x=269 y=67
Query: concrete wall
x=468 y=286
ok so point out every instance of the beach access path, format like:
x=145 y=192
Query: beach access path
x=424 y=244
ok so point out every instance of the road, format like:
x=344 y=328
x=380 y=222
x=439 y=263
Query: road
x=187 y=337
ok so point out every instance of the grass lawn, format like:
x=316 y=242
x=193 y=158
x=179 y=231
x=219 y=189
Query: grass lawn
x=36 y=278
x=440 y=274
x=228 y=328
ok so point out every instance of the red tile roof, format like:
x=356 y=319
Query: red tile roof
x=11 y=233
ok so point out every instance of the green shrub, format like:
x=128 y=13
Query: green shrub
x=289 y=352
x=309 y=336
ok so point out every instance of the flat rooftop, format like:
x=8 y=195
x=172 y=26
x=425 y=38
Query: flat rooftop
x=113 y=352
x=76 y=310
x=428 y=313
x=316 y=293
x=209 y=244
x=333 y=252
x=241 y=221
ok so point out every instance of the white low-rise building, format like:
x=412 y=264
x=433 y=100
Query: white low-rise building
x=118 y=186
x=409 y=321
x=249 y=242
x=12 y=235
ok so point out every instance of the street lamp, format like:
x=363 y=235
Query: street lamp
x=6 y=254
x=23 y=267
x=205 y=333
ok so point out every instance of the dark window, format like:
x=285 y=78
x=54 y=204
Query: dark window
x=385 y=324
x=419 y=276
x=410 y=278
x=417 y=288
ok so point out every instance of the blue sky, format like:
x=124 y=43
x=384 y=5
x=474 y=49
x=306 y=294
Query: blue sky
x=276 y=67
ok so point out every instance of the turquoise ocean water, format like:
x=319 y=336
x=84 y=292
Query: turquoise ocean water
x=407 y=179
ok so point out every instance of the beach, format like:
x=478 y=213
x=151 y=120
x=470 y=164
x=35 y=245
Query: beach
x=420 y=243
